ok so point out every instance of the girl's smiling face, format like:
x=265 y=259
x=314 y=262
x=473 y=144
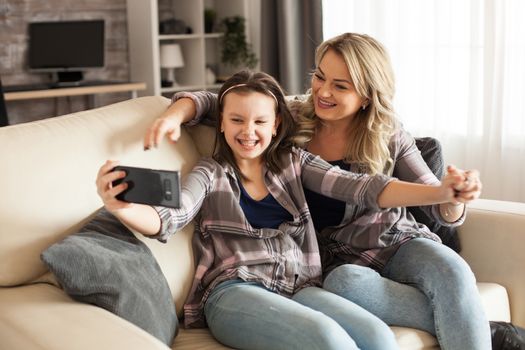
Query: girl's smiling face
x=249 y=122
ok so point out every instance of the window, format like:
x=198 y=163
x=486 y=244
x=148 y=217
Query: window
x=460 y=74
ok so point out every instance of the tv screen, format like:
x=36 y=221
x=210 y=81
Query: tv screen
x=66 y=45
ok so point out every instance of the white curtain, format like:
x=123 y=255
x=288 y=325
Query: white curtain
x=460 y=72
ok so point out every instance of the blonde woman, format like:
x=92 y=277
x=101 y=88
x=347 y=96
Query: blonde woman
x=383 y=261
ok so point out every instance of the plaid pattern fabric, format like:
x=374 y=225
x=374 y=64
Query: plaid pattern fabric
x=364 y=237
x=371 y=238
x=225 y=245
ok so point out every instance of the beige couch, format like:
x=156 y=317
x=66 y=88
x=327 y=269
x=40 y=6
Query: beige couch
x=47 y=192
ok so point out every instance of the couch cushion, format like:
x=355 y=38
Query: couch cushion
x=41 y=316
x=106 y=265
x=198 y=338
x=495 y=301
x=204 y=138
x=493 y=241
x=414 y=339
x=407 y=338
x=48 y=174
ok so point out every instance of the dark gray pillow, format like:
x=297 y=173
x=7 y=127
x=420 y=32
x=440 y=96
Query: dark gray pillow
x=432 y=153
x=106 y=265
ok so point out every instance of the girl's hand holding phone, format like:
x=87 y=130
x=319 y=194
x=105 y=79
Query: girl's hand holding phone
x=107 y=191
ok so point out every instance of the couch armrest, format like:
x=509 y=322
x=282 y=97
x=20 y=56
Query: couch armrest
x=493 y=243
x=43 y=317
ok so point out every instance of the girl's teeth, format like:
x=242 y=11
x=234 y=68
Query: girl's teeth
x=248 y=143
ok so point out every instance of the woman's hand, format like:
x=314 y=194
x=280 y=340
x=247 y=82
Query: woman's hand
x=465 y=183
x=107 y=191
x=451 y=183
x=465 y=186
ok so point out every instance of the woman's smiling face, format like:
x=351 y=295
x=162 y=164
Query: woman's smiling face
x=335 y=97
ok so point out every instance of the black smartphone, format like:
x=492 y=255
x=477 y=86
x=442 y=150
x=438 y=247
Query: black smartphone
x=150 y=186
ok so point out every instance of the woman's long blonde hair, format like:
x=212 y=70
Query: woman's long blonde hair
x=373 y=78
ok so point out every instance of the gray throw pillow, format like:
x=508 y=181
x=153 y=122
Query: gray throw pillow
x=432 y=153
x=106 y=265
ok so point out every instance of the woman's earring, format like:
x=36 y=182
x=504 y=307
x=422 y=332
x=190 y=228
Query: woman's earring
x=363 y=107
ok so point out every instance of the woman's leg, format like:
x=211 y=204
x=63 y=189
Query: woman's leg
x=395 y=303
x=368 y=331
x=446 y=279
x=245 y=315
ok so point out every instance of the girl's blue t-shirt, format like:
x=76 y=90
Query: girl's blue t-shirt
x=267 y=212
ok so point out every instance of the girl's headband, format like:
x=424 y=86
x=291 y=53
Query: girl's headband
x=240 y=85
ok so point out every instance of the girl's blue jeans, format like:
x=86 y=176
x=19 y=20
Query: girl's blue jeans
x=245 y=315
x=425 y=285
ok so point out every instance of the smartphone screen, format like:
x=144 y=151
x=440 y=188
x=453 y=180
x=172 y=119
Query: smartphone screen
x=150 y=186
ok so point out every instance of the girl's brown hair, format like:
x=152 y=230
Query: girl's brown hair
x=245 y=82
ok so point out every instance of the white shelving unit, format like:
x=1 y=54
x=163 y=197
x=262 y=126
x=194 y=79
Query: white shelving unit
x=199 y=49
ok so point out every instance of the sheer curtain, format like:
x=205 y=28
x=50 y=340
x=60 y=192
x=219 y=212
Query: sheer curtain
x=460 y=72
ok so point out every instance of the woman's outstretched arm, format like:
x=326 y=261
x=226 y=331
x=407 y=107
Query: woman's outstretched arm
x=457 y=187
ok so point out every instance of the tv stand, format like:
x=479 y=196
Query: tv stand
x=68 y=78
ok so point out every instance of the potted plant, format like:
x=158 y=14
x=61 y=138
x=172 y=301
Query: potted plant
x=236 y=52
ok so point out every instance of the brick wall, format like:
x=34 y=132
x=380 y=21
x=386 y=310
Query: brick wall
x=14 y=16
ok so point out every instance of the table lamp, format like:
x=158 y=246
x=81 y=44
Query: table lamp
x=171 y=58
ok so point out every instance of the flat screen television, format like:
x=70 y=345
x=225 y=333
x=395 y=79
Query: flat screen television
x=66 y=48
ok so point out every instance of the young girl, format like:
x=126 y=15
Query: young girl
x=255 y=243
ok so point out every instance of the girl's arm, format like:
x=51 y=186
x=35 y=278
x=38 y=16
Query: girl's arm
x=168 y=124
x=155 y=222
x=189 y=108
x=139 y=217
x=186 y=107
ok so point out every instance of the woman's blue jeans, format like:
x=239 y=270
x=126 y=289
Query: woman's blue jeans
x=245 y=315
x=425 y=285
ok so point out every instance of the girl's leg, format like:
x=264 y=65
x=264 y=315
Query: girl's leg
x=245 y=315
x=368 y=331
x=395 y=303
x=446 y=279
